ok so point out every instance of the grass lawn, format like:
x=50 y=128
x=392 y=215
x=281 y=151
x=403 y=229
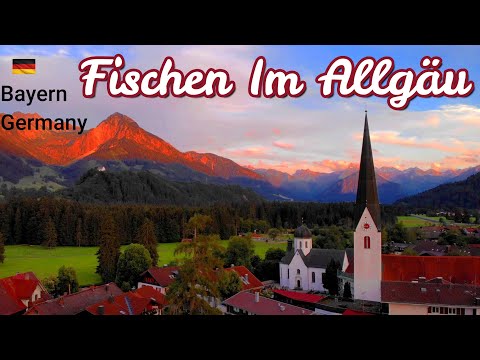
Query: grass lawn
x=44 y=262
x=410 y=221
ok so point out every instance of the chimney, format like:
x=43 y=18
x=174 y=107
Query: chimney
x=257 y=297
x=101 y=310
x=289 y=245
x=246 y=278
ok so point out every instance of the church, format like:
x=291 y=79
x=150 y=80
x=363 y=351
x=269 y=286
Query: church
x=406 y=285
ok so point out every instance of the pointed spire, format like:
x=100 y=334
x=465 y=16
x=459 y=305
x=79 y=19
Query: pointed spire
x=367 y=195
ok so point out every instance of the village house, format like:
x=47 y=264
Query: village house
x=158 y=278
x=143 y=301
x=75 y=303
x=20 y=292
x=248 y=303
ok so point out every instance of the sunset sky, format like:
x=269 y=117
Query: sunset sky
x=309 y=132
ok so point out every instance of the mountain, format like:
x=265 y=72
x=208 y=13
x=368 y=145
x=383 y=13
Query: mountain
x=464 y=194
x=57 y=159
x=116 y=138
x=346 y=190
x=145 y=188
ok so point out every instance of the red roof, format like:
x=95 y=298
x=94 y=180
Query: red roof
x=294 y=295
x=249 y=281
x=246 y=301
x=16 y=288
x=429 y=293
x=77 y=302
x=149 y=292
x=164 y=276
x=455 y=269
x=131 y=303
x=355 y=312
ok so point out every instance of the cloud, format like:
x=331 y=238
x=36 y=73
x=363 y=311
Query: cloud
x=320 y=134
x=283 y=145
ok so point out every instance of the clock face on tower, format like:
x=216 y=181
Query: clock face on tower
x=366 y=226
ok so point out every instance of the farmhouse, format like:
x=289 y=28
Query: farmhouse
x=19 y=292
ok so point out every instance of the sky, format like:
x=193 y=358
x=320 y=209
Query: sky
x=289 y=134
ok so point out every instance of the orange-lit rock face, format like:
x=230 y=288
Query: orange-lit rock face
x=116 y=138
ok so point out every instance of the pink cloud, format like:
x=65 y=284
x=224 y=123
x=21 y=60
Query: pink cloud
x=277 y=131
x=393 y=138
x=254 y=151
x=283 y=145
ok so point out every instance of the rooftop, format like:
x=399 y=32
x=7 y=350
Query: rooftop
x=455 y=269
x=16 y=288
x=77 y=302
x=249 y=281
x=441 y=293
x=164 y=276
x=265 y=306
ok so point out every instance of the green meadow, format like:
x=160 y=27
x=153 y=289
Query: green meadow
x=44 y=262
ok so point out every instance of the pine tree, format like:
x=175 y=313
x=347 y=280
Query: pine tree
x=2 y=248
x=146 y=237
x=109 y=250
x=347 y=291
x=330 y=277
x=78 y=233
x=18 y=227
x=49 y=234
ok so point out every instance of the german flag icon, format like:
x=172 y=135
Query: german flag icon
x=23 y=66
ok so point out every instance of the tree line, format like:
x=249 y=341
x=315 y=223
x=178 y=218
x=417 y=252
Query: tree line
x=57 y=221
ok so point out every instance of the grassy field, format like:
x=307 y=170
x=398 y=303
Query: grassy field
x=44 y=262
x=410 y=221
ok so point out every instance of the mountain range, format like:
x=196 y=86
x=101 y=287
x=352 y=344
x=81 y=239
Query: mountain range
x=57 y=159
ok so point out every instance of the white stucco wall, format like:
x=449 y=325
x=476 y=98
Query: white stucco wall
x=156 y=287
x=302 y=244
x=368 y=262
x=297 y=263
x=317 y=285
x=406 y=309
x=422 y=309
x=305 y=276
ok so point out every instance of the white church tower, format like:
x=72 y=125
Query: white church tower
x=302 y=240
x=367 y=238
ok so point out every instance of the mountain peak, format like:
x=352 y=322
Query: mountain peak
x=118 y=119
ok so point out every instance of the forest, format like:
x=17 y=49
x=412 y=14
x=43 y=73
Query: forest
x=35 y=220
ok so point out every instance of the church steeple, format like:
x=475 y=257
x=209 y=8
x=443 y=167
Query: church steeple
x=367 y=195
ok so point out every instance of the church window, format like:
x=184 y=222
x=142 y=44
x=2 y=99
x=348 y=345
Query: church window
x=288 y=273
x=298 y=271
x=300 y=244
x=366 y=242
x=313 y=277
x=306 y=245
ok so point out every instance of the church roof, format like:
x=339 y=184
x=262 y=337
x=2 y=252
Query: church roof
x=317 y=258
x=367 y=196
x=302 y=232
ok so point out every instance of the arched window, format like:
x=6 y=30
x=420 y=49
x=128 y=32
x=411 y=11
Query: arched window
x=306 y=245
x=366 y=242
x=288 y=273
x=300 y=244
x=313 y=277
x=298 y=271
